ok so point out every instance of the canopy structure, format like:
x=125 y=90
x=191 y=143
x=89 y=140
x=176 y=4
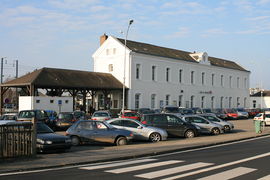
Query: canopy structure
x=57 y=81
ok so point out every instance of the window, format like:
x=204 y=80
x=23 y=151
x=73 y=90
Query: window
x=115 y=103
x=245 y=102
x=212 y=102
x=230 y=102
x=153 y=101
x=245 y=83
x=130 y=124
x=221 y=80
x=51 y=101
x=66 y=101
x=173 y=120
x=138 y=71
x=110 y=67
x=238 y=82
x=180 y=75
x=167 y=100
x=238 y=101
x=221 y=102
x=202 y=102
x=167 y=74
x=203 y=74
x=37 y=101
x=230 y=81
x=153 y=73
x=213 y=79
x=192 y=77
x=191 y=101
x=137 y=101
x=180 y=100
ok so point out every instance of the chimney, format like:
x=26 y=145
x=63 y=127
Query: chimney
x=103 y=38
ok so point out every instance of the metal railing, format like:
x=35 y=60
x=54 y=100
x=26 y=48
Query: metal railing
x=16 y=140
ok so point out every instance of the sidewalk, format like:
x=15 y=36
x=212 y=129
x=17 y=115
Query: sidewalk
x=244 y=129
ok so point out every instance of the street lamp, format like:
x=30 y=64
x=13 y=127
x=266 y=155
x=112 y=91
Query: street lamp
x=262 y=98
x=124 y=77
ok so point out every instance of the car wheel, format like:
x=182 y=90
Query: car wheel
x=189 y=134
x=215 y=131
x=227 y=128
x=121 y=141
x=75 y=140
x=155 y=137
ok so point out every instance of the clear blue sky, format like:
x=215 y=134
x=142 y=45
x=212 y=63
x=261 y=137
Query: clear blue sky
x=65 y=33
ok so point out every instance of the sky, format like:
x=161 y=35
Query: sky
x=65 y=33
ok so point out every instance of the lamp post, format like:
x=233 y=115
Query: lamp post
x=124 y=76
x=262 y=98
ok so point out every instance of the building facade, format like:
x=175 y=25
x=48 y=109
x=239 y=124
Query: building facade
x=260 y=99
x=157 y=76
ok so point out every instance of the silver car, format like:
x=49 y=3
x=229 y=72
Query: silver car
x=140 y=131
x=97 y=131
x=228 y=126
x=101 y=115
x=206 y=126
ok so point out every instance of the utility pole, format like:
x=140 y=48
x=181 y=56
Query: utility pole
x=2 y=62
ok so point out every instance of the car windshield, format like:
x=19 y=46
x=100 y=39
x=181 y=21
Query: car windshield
x=267 y=115
x=108 y=125
x=66 y=116
x=172 y=109
x=43 y=128
x=101 y=114
x=130 y=114
x=27 y=114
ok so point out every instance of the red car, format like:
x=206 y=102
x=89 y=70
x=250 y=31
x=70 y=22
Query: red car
x=130 y=115
x=231 y=113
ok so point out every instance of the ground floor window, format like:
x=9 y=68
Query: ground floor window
x=167 y=100
x=153 y=101
x=180 y=100
x=191 y=101
x=212 y=102
x=137 y=101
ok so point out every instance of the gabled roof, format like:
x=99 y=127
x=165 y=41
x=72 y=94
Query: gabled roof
x=258 y=94
x=66 y=79
x=153 y=50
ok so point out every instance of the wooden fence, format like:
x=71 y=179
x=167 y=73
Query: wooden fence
x=16 y=140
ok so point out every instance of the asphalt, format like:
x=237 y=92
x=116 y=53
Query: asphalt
x=244 y=129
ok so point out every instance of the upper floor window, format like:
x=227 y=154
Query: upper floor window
x=238 y=79
x=230 y=81
x=138 y=66
x=167 y=74
x=192 y=77
x=110 y=67
x=213 y=79
x=153 y=73
x=203 y=77
x=180 y=75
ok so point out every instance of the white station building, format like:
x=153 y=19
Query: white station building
x=157 y=76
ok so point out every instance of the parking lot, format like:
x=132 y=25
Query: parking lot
x=97 y=153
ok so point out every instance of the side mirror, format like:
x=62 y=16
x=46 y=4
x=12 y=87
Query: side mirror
x=139 y=127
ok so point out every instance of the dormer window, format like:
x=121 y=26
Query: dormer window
x=201 y=57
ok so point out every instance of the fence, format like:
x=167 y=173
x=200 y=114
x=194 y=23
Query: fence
x=16 y=140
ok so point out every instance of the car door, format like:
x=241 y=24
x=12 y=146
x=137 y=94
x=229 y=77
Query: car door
x=203 y=123
x=175 y=125
x=159 y=120
x=85 y=131
x=133 y=126
x=101 y=133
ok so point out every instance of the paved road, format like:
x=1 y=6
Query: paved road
x=244 y=160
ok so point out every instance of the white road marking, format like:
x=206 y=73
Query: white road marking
x=219 y=166
x=265 y=178
x=170 y=171
x=117 y=164
x=140 y=167
x=229 y=174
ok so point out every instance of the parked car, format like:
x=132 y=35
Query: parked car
x=64 y=120
x=207 y=110
x=139 y=130
x=206 y=126
x=170 y=109
x=172 y=124
x=197 y=110
x=186 y=111
x=231 y=113
x=79 y=114
x=228 y=126
x=28 y=115
x=47 y=140
x=253 y=112
x=266 y=118
x=130 y=115
x=9 y=116
x=259 y=116
x=101 y=115
x=220 y=113
x=242 y=113
x=97 y=131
